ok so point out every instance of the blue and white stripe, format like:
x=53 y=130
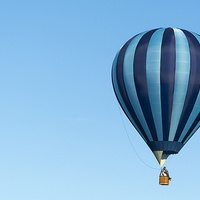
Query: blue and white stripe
x=156 y=80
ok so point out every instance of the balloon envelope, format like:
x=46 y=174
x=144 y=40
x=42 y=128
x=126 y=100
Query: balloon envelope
x=156 y=78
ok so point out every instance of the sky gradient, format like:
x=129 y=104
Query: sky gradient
x=62 y=134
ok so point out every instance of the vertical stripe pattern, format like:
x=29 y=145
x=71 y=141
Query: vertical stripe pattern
x=155 y=76
x=141 y=82
x=167 y=76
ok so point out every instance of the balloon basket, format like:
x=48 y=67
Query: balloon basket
x=164 y=180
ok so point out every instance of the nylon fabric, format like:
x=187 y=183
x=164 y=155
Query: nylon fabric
x=122 y=89
x=141 y=82
x=120 y=99
x=194 y=82
x=128 y=74
x=153 y=79
x=167 y=76
x=182 y=73
x=194 y=117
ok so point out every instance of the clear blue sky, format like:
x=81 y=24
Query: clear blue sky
x=61 y=134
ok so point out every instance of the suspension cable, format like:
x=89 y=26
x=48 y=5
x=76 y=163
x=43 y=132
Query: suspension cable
x=132 y=143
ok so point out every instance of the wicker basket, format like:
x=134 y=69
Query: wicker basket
x=164 y=180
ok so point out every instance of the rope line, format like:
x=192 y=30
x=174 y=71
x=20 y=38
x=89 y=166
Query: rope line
x=132 y=144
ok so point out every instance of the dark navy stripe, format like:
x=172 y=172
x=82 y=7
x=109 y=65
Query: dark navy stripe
x=167 y=79
x=141 y=81
x=169 y=147
x=122 y=89
x=194 y=82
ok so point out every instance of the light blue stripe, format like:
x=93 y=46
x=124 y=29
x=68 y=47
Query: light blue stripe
x=182 y=72
x=195 y=110
x=119 y=95
x=130 y=84
x=153 y=79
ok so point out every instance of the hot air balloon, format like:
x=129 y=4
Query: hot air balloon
x=156 y=79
